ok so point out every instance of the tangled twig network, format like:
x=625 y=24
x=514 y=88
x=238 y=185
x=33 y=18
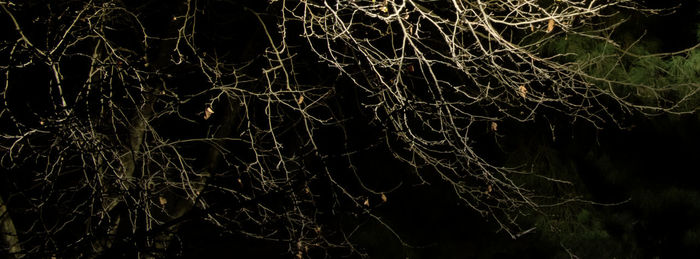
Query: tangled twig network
x=124 y=117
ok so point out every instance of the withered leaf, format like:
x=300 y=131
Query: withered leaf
x=208 y=112
x=522 y=91
x=550 y=25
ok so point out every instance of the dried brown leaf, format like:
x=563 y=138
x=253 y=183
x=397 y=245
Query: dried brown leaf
x=522 y=91
x=550 y=25
x=208 y=112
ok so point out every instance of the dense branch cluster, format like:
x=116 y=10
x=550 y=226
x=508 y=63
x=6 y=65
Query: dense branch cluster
x=436 y=71
x=122 y=120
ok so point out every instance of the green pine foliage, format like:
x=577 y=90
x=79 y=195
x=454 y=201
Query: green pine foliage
x=635 y=71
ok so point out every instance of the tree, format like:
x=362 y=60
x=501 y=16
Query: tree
x=124 y=119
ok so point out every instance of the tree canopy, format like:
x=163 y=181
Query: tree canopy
x=297 y=123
